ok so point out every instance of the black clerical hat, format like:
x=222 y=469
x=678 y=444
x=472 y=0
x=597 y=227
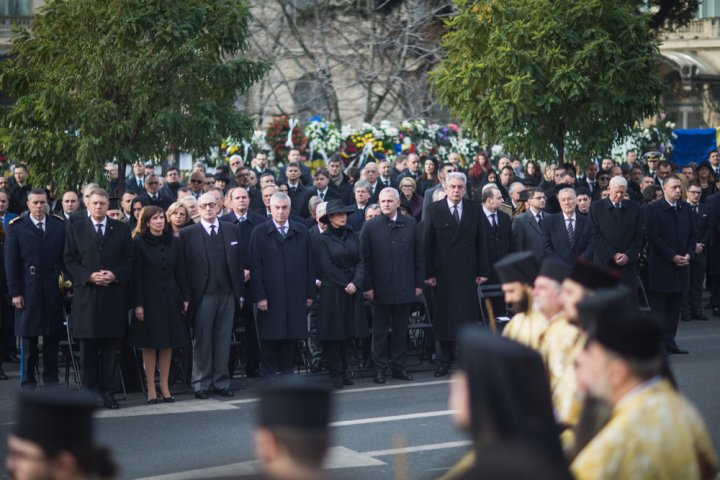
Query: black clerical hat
x=517 y=267
x=295 y=405
x=593 y=276
x=618 y=302
x=114 y=204
x=637 y=336
x=554 y=268
x=56 y=419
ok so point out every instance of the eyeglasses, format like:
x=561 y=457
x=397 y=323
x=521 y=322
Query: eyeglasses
x=152 y=183
x=695 y=192
x=606 y=178
x=207 y=205
x=196 y=181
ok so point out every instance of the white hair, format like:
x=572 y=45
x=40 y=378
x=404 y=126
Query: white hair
x=456 y=176
x=236 y=157
x=281 y=197
x=514 y=186
x=618 y=181
x=207 y=198
x=320 y=209
x=392 y=191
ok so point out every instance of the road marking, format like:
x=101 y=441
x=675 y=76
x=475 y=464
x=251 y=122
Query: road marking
x=195 y=406
x=391 y=387
x=418 y=448
x=393 y=418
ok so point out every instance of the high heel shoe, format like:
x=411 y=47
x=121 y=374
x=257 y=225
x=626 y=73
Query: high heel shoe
x=152 y=401
x=168 y=399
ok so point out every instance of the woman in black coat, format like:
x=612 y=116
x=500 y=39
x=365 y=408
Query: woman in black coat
x=341 y=312
x=160 y=297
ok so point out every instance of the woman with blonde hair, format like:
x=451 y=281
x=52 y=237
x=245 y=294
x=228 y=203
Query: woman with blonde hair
x=177 y=217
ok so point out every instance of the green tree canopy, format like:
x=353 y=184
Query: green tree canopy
x=97 y=80
x=545 y=77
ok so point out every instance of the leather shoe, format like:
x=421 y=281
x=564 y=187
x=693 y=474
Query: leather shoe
x=336 y=382
x=3 y=375
x=716 y=312
x=110 y=402
x=442 y=371
x=379 y=378
x=347 y=381
x=700 y=316
x=10 y=358
x=224 y=392
x=402 y=375
x=674 y=349
x=201 y=395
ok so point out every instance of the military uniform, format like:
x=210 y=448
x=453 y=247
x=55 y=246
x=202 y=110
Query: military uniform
x=527 y=328
x=653 y=433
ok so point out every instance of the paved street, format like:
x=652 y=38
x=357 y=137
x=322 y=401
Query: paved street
x=402 y=430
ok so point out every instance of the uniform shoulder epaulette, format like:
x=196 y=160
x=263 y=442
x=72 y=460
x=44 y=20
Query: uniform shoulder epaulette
x=16 y=219
x=58 y=217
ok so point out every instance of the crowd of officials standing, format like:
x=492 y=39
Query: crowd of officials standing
x=344 y=255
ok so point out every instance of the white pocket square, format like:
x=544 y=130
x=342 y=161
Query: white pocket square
x=233 y=243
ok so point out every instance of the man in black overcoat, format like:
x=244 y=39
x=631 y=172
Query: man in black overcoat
x=98 y=255
x=617 y=232
x=153 y=194
x=394 y=268
x=703 y=221
x=34 y=248
x=456 y=264
x=283 y=285
x=567 y=234
x=497 y=227
x=672 y=241
x=238 y=200
x=214 y=255
x=527 y=227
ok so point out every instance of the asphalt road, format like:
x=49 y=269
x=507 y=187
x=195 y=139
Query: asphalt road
x=401 y=430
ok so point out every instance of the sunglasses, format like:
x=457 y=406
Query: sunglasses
x=196 y=181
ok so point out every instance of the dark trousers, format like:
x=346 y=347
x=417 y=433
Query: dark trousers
x=29 y=360
x=335 y=357
x=8 y=340
x=211 y=342
x=445 y=352
x=99 y=363
x=667 y=307
x=384 y=317
x=250 y=340
x=277 y=356
x=698 y=268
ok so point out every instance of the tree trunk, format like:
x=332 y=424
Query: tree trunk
x=560 y=143
x=122 y=165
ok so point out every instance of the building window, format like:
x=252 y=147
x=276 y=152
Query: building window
x=709 y=9
x=16 y=8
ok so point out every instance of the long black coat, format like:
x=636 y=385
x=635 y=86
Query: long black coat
x=497 y=244
x=252 y=220
x=99 y=312
x=617 y=232
x=192 y=242
x=393 y=259
x=33 y=263
x=713 y=247
x=281 y=272
x=670 y=232
x=339 y=258
x=455 y=256
x=159 y=286
x=557 y=242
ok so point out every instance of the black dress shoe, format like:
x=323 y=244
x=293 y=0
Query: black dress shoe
x=3 y=375
x=224 y=392
x=701 y=316
x=168 y=399
x=152 y=401
x=716 y=312
x=379 y=378
x=675 y=350
x=685 y=318
x=336 y=382
x=201 y=395
x=110 y=402
x=442 y=371
x=402 y=375
x=347 y=381
x=10 y=358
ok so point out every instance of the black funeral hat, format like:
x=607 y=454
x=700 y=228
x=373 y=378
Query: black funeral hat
x=593 y=276
x=517 y=267
x=56 y=419
x=114 y=204
x=295 y=405
x=335 y=206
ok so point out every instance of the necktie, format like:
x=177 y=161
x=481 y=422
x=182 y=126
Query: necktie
x=717 y=170
x=538 y=217
x=494 y=222
x=212 y=231
x=456 y=214
x=99 y=233
x=140 y=182
x=241 y=219
x=571 y=231
x=695 y=211
x=282 y=231
x=293 y=189
x=40 y=227
x=322 y=196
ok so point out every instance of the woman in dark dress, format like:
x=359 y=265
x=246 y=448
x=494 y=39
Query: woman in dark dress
x=341 y=311
x=429 y=177
x=160 y=296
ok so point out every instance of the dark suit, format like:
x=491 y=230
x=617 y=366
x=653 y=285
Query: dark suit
x=713 y=263
x=356 y=219
x=157 y=200
x=247 y=313
x=556 y=240
x=299 y=198
x=393 y=264
x=455 y=255
x=132 y=184
x=703 y=222
x=33 y=263
x=617 y=231
x=214 y=266
x=527 y=234
x=100 y=313
x=282 y=273
x=670 y=232
x=498 y=244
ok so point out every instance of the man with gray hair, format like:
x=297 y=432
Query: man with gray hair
x=214 y=260
x=84 y=211
x=363 y=196
x=456 y=262
x=283 y=285
x=618 y=230
x=445 y=169
x=567 y=235
x=514 y=192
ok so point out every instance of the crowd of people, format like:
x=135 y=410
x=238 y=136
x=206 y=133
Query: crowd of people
x=338 y=255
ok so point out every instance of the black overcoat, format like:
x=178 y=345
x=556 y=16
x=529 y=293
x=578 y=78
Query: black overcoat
x=159 y=286
x=557 y=242
x=281 y=272
x=99 y=312
x=497 y=244
x=670 y=232
x=339 y=260
x=393 y=259
x=33 y=263
x=455 y=256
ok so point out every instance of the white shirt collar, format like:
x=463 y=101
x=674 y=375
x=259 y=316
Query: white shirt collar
x=103 y=222
x=277 y=225
x=207 y=225
x=35 y=222
x=452 y=205
x=566 y=218
x=488 y=212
